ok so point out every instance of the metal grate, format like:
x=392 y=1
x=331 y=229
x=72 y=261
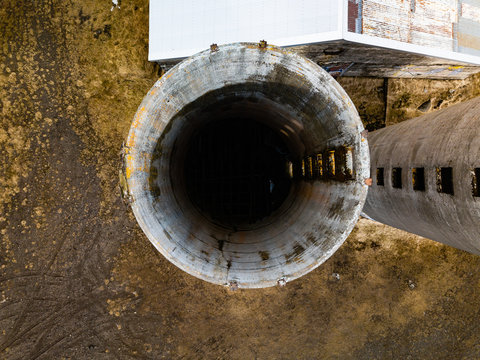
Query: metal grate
x=236 y=171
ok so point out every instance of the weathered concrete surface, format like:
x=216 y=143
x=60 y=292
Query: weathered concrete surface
x=448 y=25
x=344 y=58
x=79 y=279
x=384 y=102
x=351 y=59
x=290 y=94
x=430 y=23
x=448 y=138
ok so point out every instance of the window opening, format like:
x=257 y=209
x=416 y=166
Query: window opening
x=397 y=178
x=445 y=180
x=418 y=179
x=380 y=178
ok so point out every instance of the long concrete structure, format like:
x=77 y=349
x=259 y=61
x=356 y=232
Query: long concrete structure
x=426 y=176
x=246 y=165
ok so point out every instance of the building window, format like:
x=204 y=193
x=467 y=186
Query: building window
x=380 y=178
x=476 y=182
x=331 y=163
x=445 y=180
x=397 y=178
x=319 y=166
x=348 y=162
x=290 y=169
x=418 y=179
x=309 y=167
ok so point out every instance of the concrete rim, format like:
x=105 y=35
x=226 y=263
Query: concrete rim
x=162 y=223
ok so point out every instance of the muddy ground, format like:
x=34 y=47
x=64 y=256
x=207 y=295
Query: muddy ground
x=78 y=278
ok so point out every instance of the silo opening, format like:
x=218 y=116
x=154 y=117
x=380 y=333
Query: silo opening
x=237 y=171
x=246 y=165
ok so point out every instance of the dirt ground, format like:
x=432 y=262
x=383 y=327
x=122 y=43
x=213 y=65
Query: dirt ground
x=78 y=278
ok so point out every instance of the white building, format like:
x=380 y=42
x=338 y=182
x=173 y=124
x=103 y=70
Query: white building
x=388 y=38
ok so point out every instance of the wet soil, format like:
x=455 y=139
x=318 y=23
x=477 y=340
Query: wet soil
x=79 y=280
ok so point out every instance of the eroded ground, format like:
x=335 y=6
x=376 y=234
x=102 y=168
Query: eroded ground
x=78 y=278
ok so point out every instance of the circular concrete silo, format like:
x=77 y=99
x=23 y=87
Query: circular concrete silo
x=246 y=166
x=427 y=176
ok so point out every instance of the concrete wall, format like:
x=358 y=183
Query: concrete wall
x=468 y=28
x=443 y=24
x=433 y=208
x=427 y=23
